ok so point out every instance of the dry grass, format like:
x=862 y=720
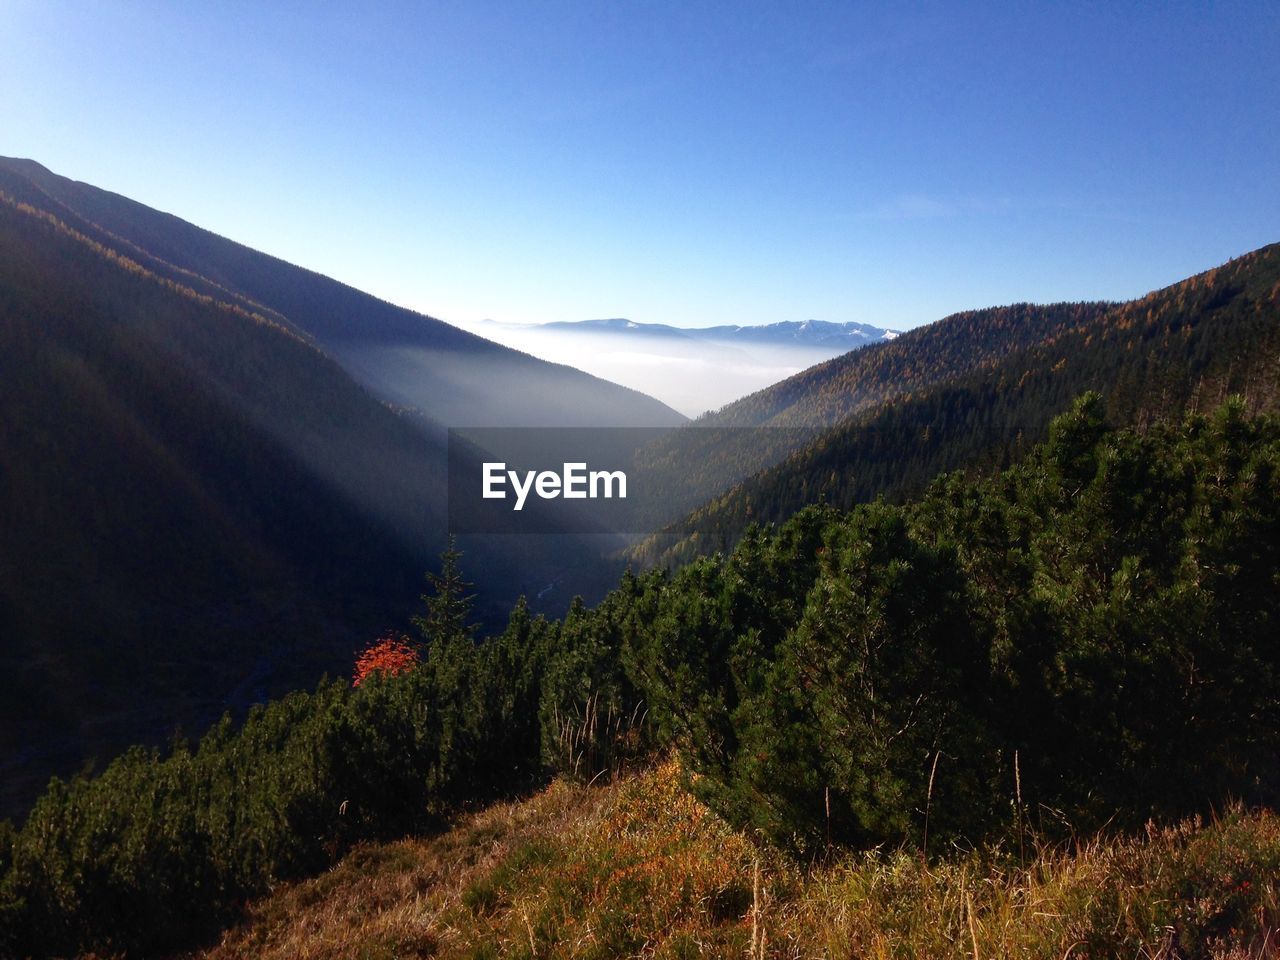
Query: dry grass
x=640 y=868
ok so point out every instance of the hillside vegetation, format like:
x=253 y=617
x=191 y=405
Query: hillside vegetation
x=201 y=506
x=1086 y=641
x=641 y=868
x=188 y=493
x=956 y=345
x=721 y=449
x=975 y=391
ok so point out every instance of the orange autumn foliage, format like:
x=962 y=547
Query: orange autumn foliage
x=390 y=655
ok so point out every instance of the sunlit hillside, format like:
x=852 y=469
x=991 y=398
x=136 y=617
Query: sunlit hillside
x=638 y=867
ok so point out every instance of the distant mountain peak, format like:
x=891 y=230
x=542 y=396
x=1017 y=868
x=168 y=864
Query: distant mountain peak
x=848 y=335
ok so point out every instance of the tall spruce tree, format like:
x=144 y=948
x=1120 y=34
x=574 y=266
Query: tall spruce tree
x=448 y=601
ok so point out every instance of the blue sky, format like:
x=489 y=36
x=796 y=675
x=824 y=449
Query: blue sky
x=687 y=163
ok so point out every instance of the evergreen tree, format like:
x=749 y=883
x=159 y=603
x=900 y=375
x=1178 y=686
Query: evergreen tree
x=448 y=601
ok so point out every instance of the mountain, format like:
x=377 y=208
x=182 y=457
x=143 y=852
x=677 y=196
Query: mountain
x=399 y=355
x=956 y=345
x=818 y=333
x=189 y=492
x=207 y=496
x=721 y=448
x=807 y=333
x=973 y=392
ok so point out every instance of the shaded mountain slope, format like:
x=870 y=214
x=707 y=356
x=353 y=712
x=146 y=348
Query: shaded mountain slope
x=400 y=355
x=198 y=506
x=203 y=499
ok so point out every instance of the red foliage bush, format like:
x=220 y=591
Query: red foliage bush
x=391 y=655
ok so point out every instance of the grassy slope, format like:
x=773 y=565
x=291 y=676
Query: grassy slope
x=639 y=867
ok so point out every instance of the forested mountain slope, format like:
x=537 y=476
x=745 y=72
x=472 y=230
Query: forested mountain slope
x=719 y=449
x=203 y=500
x=951 y=347
x=189 y=493
x=402 y=356
x=909 y=416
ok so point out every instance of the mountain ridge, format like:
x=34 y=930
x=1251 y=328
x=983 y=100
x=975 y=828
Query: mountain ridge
x=171 y=503
x=826 y=333
x=402 y=356
x=1178 y=348
x=202 y=503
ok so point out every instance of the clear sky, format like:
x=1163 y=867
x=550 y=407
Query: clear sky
x=683 y=162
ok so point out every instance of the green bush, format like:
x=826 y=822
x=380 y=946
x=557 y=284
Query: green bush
x=1090 y=636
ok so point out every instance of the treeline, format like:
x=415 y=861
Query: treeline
x=1086 y=638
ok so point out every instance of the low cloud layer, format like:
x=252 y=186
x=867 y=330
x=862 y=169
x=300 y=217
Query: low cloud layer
x=693 y=376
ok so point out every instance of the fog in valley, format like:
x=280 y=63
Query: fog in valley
x=690 y=375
